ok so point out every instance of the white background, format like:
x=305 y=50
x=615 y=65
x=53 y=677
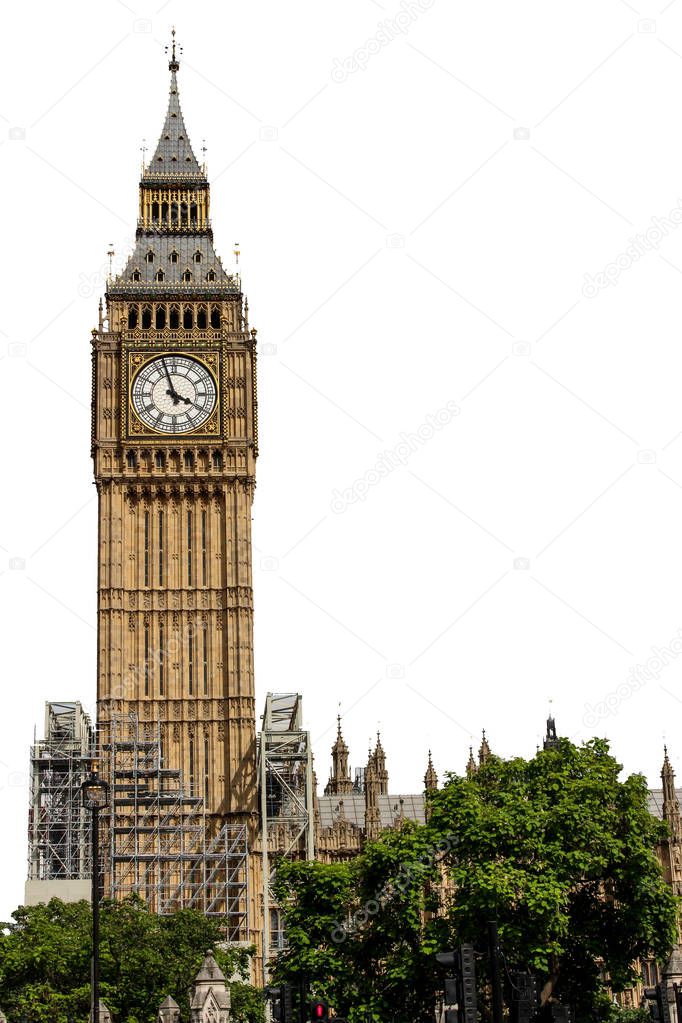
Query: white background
x=398 y=241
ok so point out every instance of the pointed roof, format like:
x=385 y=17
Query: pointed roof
x=210 y=983
x=484 y=749
x=210 y=971
x=169 y=1003
x=173 y=157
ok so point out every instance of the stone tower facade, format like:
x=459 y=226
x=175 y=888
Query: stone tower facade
x=174 y=444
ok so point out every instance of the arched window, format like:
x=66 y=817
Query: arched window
x=210 y=276
x=174 y=213
x=135 y=276
x=155 y=212
x=132 y=317
x=173 y=256
x=160 y=275
x=146 y=317
x=174 y=317
x=160 y=460
x=131 y=461
x=193 y=211
x=160 y=320
x=164 y=212
x=187 y=276
x=215 y=316
x=202 y=317
x=187 y=318
x=217 y=460
x=149 y=257
x=197 y=257
x=189 y=460
x=183 y=212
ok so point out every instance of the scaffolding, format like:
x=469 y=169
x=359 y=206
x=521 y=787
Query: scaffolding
x=286 y=799
x=162 y=845
x=59 y=848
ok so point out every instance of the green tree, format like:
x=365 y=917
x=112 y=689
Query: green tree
x=362 y=932
x=45 y=962
x=557 y=849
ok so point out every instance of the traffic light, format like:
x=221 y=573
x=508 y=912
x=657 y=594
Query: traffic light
x=319 y=1011
x=660 y=1007
x=460 y=986
x=274 y=996
x=525 y=996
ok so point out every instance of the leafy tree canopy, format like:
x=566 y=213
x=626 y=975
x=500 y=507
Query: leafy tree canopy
x=45 y=962
x=557 y=849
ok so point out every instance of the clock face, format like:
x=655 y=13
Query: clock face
x=174 y=393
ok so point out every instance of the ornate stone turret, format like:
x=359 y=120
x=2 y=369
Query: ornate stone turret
x=484 y=750
x=339 y=783
x=103 y=1016
x=169 y=1011
x=430 y=778
x=211 y=996
x=472 y=766
x=551 y=739
x=380 y=764
x=671 y=805
x=372 y=815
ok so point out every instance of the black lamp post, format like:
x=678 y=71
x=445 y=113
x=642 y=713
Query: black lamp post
x=95 y=797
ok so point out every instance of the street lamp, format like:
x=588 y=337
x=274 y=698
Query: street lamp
x=95 y=797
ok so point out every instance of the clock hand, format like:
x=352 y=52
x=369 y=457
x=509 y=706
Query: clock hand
x=172 y=392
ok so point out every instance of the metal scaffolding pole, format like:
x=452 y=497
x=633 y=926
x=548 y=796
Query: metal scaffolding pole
x=160 y=842
x=59 y=847
x=286 y=800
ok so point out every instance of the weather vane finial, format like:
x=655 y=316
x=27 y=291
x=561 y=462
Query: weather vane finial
x=174 y=63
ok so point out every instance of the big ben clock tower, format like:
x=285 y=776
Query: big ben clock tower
x=174 y=447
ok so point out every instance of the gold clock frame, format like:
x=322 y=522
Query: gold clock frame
x=135 y=355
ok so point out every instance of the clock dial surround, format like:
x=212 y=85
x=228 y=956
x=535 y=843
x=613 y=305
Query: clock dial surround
x=174 y=393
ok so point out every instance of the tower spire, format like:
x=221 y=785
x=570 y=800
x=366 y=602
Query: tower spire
x=430 y=778
x=472 y=766
x=339 y=781
x=173 y=63
x=671 y=806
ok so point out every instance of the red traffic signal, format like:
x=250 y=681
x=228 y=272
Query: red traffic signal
x=319 y=1010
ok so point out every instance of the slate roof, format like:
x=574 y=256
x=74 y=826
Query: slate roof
x=161 y=246
x=354 y=809
x=173 y=157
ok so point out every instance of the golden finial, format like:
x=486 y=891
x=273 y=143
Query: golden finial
x=111 y=254
x=143 y=150
x=236 y=253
